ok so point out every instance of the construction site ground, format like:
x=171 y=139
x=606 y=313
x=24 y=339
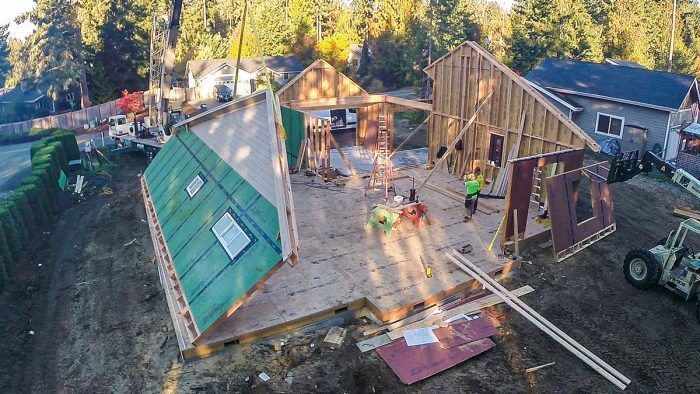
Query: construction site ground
x=100 y=323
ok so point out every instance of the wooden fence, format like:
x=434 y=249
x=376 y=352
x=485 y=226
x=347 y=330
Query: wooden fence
x=69 y=120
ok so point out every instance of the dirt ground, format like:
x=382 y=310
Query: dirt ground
x=100 y=321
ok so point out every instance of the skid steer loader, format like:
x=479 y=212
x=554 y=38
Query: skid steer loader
x=673 y=263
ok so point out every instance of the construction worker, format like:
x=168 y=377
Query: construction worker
x=472 y=185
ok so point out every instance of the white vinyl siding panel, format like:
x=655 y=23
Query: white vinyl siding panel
x=654 y=120
x=243 y=139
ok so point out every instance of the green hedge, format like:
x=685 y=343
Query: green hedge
x=19 y=138
x=33 y=204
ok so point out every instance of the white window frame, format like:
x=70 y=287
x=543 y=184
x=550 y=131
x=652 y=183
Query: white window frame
x=620 y=118
x=233 y=226
x=195 y=185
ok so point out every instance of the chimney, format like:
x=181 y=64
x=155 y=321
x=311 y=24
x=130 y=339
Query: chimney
x=24 y=84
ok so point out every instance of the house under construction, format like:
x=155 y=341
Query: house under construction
x=253 y=237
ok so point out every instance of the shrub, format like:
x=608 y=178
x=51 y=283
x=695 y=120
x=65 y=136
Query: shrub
x=18 y=220
x=5 y=252
x=36 y=146
x=35 y=201
x=11 y=233
x=62 y=160
x=70 y=144
x=3 y=273
x=36 y=198
x=20 y=199
x=46 y=193
x=18 y=138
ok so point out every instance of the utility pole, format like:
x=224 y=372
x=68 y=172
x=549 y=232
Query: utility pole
x=240 y=48
x=673 y=36
x=205 y=14
x=318 y=25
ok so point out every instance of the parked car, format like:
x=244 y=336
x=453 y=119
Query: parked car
x=223 y=93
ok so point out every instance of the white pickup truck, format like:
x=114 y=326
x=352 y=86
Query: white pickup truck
x=341 y=119
x=119 y=126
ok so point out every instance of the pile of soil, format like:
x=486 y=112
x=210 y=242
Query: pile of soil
x=100 y=322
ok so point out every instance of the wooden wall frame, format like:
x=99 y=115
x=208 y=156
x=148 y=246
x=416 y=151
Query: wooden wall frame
x=462 y=79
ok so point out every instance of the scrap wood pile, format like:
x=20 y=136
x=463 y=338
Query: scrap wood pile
x=417 y=349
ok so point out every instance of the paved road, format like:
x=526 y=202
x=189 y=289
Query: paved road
x=14 y=166
x=15 y=163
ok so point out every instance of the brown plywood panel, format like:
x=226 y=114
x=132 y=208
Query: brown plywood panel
x=520 y=184
x=415 y=363
x=567 y=231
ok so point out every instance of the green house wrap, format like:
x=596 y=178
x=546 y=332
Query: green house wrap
x=221 y=194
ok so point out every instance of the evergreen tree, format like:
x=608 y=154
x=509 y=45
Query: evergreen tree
x=4 y=54
x=55 y=49
x=627 y=34
x=451 y=23
x=558 y=28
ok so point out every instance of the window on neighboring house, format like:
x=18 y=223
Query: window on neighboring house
x=231 y=235
x=610 y=125
x=285 y=76
x=496 y=150
x=194 y=185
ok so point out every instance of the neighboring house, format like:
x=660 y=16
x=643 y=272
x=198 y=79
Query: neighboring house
x=36 y=98
x=203 y=75
x=354 y=56
x=623 y=63
x=219 y=204
x=640 y=108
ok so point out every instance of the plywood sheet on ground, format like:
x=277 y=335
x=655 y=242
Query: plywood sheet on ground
x=415 y=363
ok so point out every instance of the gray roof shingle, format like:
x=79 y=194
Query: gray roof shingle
x=16 y=94
x=282 y=64
x=647 y=87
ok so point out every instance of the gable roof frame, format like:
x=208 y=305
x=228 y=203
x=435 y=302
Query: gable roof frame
x=211 y=128
x=539 y=97
x=285 y=92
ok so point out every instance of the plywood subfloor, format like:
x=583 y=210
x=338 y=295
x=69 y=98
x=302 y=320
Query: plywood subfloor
x=343 y=262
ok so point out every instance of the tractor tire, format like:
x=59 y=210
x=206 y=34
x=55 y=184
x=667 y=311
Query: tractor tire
x=641 y=269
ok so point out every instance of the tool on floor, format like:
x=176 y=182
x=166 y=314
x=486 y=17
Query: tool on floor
x=412 y=196
x=426 y=268
x=496 y=234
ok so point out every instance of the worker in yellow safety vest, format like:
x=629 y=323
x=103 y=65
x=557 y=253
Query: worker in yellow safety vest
x=472 y=185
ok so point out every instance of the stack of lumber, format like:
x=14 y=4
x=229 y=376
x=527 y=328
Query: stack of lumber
x=686 y=213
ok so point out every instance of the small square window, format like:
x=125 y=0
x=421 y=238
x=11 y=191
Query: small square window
x=496 y=150
x=195 y=185
x=231 y=235
x=610 y=125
